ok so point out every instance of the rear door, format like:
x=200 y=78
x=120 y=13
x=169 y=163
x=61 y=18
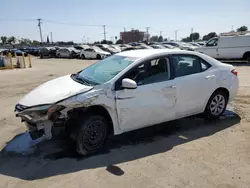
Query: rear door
x=195 y=80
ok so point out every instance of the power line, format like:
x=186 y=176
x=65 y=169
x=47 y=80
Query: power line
x=73 y=24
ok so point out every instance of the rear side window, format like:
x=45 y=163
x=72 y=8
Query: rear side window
x=188 y=64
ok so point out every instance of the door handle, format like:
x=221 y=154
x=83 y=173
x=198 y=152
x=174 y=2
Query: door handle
x=171 y=87
x=210 y=77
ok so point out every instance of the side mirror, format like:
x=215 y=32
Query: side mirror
x=129 y=84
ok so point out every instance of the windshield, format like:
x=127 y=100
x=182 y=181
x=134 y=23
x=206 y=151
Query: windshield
x=103 y=70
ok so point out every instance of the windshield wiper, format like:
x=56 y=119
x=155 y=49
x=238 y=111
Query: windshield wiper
x=80 y=79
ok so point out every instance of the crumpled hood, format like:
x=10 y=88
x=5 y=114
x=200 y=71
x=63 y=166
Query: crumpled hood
x=53 y=91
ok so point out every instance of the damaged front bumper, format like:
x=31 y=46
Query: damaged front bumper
x=39 y=121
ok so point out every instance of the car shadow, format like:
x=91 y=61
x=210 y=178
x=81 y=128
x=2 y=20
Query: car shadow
x=59 y=157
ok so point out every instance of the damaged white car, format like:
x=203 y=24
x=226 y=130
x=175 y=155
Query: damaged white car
x=128 y=91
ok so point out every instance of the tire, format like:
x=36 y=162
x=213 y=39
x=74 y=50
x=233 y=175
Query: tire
x=82 y=56
x=98 y=56
x=91 y=135
x=216 y=105
x=248 y=58
x=59 y=56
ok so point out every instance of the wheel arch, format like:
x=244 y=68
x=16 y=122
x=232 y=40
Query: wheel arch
x=246 y=54
x=93 y=110
x=223 y=89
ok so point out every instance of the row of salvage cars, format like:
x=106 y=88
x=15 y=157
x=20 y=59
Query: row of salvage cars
x=100 y=51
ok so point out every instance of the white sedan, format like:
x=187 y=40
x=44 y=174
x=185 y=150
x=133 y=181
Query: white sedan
x=128 y=91
x=93 y=53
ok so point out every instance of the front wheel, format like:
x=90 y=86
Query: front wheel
x=82 y=56
x=98 y=56
x=91 y=135
x=216 y=105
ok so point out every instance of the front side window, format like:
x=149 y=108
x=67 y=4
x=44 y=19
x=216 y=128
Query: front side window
x=104 y=70
x=153 y=71
x=187 y=65
x=212 y=42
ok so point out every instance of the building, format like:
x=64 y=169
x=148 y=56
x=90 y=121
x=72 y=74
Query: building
x=133 y=36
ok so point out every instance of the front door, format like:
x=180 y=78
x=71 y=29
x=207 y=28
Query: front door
x=152 y=101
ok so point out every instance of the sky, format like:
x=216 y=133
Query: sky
x=82 y=20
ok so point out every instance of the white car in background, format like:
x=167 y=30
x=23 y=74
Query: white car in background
x=93 y=53
x=67 y=53
x=181 y=45
x=128 y=91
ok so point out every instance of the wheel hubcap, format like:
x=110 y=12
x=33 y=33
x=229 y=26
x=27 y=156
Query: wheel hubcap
x=217 y=105
x=94 y=135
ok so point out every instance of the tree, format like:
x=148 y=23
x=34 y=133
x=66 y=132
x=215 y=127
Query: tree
x=109 y=42
x=119 y=41
x=242 y=28
x=160 y=39
x=165 y=39
x=154 y=38
x=25 y=41
x=3 y=39
x=187 y=39
x=194 y=36
x=209 y=36
x=104 y=42
x=35 y=42
x=11 y=40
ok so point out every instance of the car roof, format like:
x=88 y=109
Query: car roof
x=147 y=53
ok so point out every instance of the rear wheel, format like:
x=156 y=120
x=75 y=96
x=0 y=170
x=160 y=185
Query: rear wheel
x=91 y=134
x=216 y=105
x=82 y=56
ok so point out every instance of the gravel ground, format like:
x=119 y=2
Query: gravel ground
x=185 y=153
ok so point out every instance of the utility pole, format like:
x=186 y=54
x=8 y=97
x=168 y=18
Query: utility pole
x=51 y=37
x=104 y=31
x=160 y=33
x=192 y=29
x=40 y=29
x=147 y=32
x=176 y=35
x=124 y=29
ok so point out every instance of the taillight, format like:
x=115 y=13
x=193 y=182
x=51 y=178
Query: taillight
x=234 y=72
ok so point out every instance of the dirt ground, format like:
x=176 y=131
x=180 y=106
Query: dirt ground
x=185 y=153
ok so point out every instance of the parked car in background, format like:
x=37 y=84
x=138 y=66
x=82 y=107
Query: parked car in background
x=31 y=50
x=4 y=51
x=201 y=43
x=170 y=46
x=93 y=53
x=128 y=91
x=107 y=48
x=18 y=52
x=47 y=52
x=228 y=47
x=117 y=47
x=124 y=46
x=158 y=46
x=68 y=53
x=195 y=44
x=181 y=45
x=81 y=47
